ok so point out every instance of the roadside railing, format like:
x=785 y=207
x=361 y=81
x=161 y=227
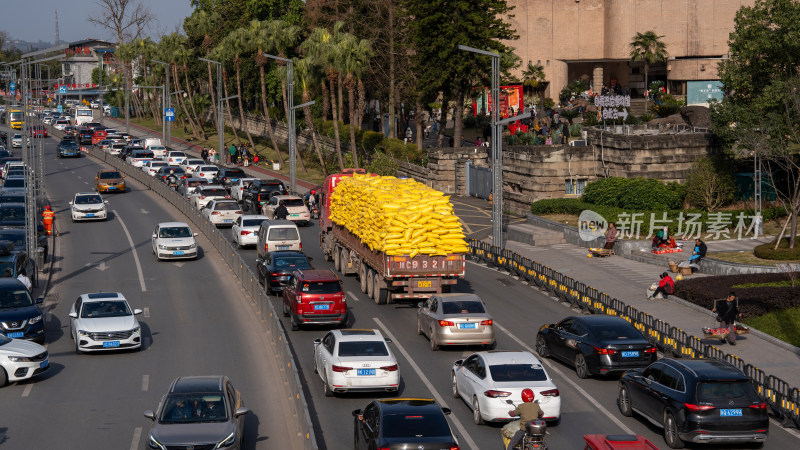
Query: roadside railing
x=783 y=399
x=249 y=281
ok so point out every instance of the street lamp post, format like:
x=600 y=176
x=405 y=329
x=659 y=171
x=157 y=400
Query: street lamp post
x=290 y=104
x=163 y=127
x=220 y=118
x=168 y=101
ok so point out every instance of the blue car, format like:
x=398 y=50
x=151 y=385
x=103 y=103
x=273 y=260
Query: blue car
x=20 y=316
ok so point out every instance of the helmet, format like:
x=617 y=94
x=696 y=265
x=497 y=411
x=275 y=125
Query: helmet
x=527 y=395
x=664 y=275
x=47 y=208
x=313 y=191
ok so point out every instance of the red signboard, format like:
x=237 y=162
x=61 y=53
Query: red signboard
x=510 y=101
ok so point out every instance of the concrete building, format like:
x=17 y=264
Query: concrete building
x=80 y=58
x=590 y=40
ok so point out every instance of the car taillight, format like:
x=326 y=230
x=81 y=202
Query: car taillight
x=650 y=350
x=266 y=247
x=446 y=323
x=183 y=177
x=245 y=232
x=455 y=447
x=202 y=174
x=604 y=351
x=336 y=368
x=227 y=196
x=202 y=197
x=495 y=394
x=301 y=246
x=238 y=212
x=550 y=393
x=276 y=274
x=383 y=448
x=215 y=213
x=487 y=322
x=761 y=406
x=696 y=408
x=391 y=368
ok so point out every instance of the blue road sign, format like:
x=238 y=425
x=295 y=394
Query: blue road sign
x=60 y=108
x=62 y=90
x=12 y=87
x=169 y=114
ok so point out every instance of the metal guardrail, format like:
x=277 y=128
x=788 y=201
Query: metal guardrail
x=783 y=399
x=248 y=279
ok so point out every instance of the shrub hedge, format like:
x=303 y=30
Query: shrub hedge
x=753 y=302
x=635 y=193
x=783 y=253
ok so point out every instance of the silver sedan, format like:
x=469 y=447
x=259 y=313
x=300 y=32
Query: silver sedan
x=455 y=319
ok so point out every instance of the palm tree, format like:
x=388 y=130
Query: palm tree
x=534 y=77
x=304 y=70
x=126 y=53
x=183 y=54
x=649 y=48
x=233 y=46
x=355 y=60
x=206 y=23
x=177 y=52
x=324 y=51
x=284 y=38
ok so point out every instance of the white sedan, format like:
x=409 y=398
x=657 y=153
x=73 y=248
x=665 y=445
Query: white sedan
x=245 y=229
x=298 y=211
x=20 y=360
x=16 y=141
x=174 y=240
x=221 y=212
x=88 y=206
x=355 y=360
x=237 y=188
x=151 y=167
x=104 y=321
x=486 y=380
x=189 y=164
x=204 y=194
x=207 y=171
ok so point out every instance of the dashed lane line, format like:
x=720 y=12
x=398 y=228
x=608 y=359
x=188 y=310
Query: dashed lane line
x=133 y=250
x=137 y=436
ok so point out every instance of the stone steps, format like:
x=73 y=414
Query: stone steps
x=533 y=235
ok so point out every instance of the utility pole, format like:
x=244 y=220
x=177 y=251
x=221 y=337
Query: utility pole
x=168 y=101
x=291 y=120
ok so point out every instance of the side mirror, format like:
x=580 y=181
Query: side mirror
x=317 y=341
x=154 y=236
x=458 y=362
x=150 y=414
x=387 y=340
x=446 y=411
x=74 y=315
x=194 y=234
x=356 y=412
x=39 y=300
x=136 y=312
x=240 y=411
x=70 y=203
x=510 y=402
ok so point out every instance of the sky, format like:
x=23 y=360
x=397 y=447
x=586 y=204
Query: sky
x=34 y=20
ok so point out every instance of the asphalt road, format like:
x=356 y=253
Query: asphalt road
x=196 y=322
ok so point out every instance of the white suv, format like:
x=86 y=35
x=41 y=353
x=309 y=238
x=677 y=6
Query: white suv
x=174 y=240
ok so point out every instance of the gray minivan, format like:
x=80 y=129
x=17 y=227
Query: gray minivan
x=276 y=235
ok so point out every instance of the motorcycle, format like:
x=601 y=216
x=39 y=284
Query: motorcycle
x=172 y=182
x=535 y=432
x=314 y=210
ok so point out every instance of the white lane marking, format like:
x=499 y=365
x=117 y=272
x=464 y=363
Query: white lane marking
x=133 y=250
x=575 y=385
x=137 y=435
x=85 y=182
x=352 y=296
x=146 y=312
x=27 y=391
x=428 y=384
x=145 y=382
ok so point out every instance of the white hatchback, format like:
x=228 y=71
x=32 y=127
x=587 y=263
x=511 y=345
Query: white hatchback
x=173 y=158
x=207 y=171
x=245 y=229
x=104 y=321
x=88 y=206
x=151 y=167
x=21 y=359
x=298 y=211
x=158 y=150
x=174 y=240
x=189 y=164
x=487 y=380
x=221 y=212
x=355 y=360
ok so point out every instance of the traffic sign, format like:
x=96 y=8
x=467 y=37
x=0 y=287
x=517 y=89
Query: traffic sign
x=169 y=114
x=60 y=108
x=62 y=90
x=12 y=87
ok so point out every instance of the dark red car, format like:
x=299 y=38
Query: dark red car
x=314 y=297
x=617 y=442
x=38 y=131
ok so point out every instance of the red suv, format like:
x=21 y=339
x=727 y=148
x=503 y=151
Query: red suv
x=314 y=297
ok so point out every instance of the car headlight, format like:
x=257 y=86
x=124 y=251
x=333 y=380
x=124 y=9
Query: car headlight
x=153 y=443
x=19 y=359
x=136 y=330
x=83 y=332
x=194 y=245
x=228 y=441
x=36 y=319
x=74 y=209
x=162 y=246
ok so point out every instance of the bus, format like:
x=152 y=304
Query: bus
x=83 y=114
x=15 y=119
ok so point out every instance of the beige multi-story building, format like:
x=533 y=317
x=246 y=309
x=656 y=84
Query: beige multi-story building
x=590 y=39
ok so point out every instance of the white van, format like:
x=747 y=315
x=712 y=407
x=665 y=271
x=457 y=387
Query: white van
x=148 y=142
x=276 y=235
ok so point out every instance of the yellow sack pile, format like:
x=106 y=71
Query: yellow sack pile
x=398 y=217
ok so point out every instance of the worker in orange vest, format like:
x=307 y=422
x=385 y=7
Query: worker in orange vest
x=47 y=217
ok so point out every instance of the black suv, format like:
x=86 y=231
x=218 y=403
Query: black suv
x=85 y=135
x=696 y=400
x=20 y=317
x=258 y=193
x=227 y=176
x=127 y=150
x=403 y=423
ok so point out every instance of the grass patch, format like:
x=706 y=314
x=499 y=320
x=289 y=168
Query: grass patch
x=780 y=324
x=746 y=257
x=566 y=219
x=781 y=283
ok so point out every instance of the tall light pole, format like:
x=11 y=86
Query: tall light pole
x=168 y=102
x=291 y=119
x=220 y=118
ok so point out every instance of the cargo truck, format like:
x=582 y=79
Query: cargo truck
x=384 y=278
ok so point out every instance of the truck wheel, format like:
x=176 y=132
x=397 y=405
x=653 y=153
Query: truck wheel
x=337 y=256
x=379 y=295
x=370 y=281
x=383 y=297
x=343 y=261
x=362 y=274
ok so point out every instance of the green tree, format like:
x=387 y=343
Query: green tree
x=231 y=48
x=650 y=49
x=710 y=184
x=304 y=70
x=437 y=27
x=355 y=60
x=534 y=78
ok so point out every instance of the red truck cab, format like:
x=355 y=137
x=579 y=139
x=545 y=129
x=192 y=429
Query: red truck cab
x=314 y=297
x=325 y=223
x=617 y=442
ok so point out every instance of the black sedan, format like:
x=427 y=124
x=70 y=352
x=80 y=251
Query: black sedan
x=18 y=235
x=403 y=423
x=69 y=149
x=696 y=400
x=276 y=267
x=164 y=172
x=227 y=176
x=258 y=193
x=595 y=345
x=12 y=215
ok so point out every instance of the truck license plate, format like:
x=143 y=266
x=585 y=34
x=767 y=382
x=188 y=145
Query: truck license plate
x=424 y=284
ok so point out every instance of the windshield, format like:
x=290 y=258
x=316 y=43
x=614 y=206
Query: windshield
x=234 y=173
x=517 y=372
x=175 y=232
x=177 y=154
x=283 y=234
x=466 y=307
x=107 y=175
x=193 y=408
x=320 y=287
x=17 y=238
x=15 y=183
x=292 y=202
x=291 y=262
x=12 y=212
x=105 y=308
x=17 y=298
x=208 y=169
x=252 y=222
x=369 y=348
x=195 y=183
x=226 y=206
x=215 y=192
x=7 y=269
x=416 y=425
x=88 y=199
x=157 y=164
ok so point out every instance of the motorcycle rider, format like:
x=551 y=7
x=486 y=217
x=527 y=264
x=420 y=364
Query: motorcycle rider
x=527 y=411
x=172 y=179
x=281 y=213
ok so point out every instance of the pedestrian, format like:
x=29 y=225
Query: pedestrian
x=478 y=142
x=727 y=312
x=232 y=154
x=665 y=287
x=246 y=157
x=212 y=155
x=611 y=236
x=23 y=278
x=409 y=135
x=204 y=154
